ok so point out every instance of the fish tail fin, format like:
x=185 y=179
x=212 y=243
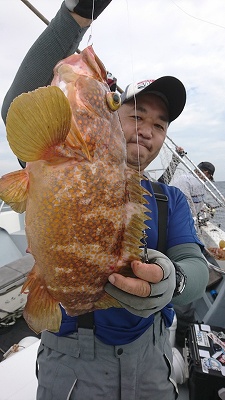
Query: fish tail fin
x=41 y=312
x=37 y=121
x=14 y=189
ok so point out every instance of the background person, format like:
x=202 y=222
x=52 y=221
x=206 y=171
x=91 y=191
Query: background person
x=194 y=188
x=194 y=191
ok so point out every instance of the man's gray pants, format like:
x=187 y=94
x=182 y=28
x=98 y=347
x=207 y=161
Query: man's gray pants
x=81 y=367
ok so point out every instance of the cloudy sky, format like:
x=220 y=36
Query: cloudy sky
x=139 y=40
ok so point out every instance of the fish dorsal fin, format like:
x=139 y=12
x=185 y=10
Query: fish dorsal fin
x=14 y=189
x=95 y=64
x=38 y=121
x=136 y=224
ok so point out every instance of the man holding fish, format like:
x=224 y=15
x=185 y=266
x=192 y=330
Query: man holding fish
x=121 y=350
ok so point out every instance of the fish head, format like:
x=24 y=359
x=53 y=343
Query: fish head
x=83 y=79
x=85 y=63
x=76 y=117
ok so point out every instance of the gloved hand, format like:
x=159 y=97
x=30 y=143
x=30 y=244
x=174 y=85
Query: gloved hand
x=84 y=8
x=161 y=293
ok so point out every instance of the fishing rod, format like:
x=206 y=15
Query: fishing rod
x=196 y=167
x=35 y=11
x=221 y=202
x=39 y=15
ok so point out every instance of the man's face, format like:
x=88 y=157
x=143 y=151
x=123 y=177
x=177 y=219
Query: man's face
x=208 y=175
x=145 y=125
x=203 y=175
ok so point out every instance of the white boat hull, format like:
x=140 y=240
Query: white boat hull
x=17 y=375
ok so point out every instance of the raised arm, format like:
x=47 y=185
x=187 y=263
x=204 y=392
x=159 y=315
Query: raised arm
x=170 y=170
x=60 y=39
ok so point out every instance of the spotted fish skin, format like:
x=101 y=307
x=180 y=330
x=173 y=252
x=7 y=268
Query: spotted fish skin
x=84 y=207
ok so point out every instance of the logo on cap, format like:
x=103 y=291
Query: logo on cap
x=143 y=84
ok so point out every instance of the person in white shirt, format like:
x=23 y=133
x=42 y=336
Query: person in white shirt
x=194 y=188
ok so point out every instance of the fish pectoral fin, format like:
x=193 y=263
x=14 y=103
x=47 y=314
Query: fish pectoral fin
x=76 y=142
x=41 y=312
x=37 y=122
x=14 y=189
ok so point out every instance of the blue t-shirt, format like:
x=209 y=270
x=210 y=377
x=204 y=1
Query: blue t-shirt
x=117 y=326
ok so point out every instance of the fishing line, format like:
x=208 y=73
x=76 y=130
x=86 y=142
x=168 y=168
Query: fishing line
x=91 y=27
x=93 y=8
x=199 y=19
x=135 y=100
x=145 y=257
x=35 y=11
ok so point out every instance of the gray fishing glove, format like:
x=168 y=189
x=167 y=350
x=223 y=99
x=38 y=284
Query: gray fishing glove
x=161 y=293
x=85 y=8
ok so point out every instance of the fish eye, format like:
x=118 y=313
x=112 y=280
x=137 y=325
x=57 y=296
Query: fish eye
x=113 y=100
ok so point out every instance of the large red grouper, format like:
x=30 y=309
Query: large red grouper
x=84 y=207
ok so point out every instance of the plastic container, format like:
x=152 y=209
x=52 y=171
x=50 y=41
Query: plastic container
x=179 y=367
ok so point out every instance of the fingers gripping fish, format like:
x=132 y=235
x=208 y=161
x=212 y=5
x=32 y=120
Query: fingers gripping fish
x=84 y=207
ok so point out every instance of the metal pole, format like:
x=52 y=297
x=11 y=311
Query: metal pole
x=35 y=11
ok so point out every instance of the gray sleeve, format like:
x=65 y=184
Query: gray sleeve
x=60 y=39
x=190 y=259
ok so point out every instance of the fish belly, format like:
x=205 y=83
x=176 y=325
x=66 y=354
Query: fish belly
x=75 y=223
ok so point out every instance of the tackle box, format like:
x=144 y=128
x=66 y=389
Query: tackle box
x=205 y=356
